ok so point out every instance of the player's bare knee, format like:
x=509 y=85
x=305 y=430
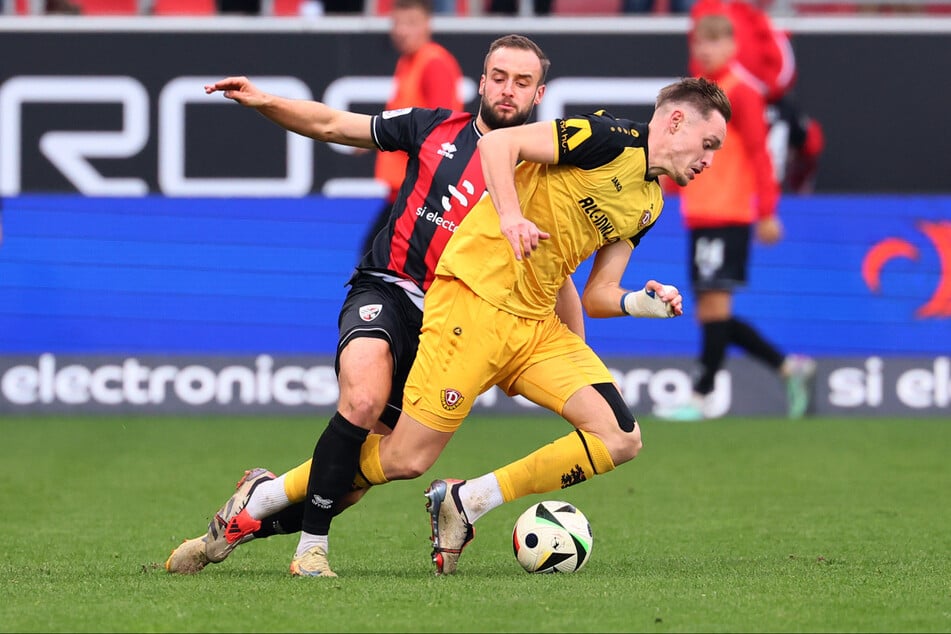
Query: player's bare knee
x=633 y=443
x=623 y=445
x=624 y=441
x=364 y=407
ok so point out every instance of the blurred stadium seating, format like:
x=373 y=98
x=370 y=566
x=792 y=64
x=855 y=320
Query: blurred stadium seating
x=578 y=8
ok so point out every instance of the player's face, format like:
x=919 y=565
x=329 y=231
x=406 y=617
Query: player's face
x=510 y=88
x=409 y=30
x=692 y=142
x=712 y=53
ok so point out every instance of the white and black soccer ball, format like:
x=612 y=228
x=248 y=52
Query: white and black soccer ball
x=552 y=536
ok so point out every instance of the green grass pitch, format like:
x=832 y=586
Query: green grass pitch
x=736 y=525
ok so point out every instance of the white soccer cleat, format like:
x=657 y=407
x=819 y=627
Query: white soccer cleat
x=451 y=531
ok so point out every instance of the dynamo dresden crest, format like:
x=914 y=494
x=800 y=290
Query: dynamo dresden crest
x=370 y=311
x=451 y=399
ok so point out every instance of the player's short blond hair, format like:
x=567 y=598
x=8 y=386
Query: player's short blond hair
x=704 y=95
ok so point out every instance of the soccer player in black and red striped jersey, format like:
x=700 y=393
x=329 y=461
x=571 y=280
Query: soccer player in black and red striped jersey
x=382 y=314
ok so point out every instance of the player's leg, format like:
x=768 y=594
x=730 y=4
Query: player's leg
x=464 y=348
x=796 y=370
x=460 y=344
x=714 y=273
x=565 y=376
x=379 y=326
x=212 y=547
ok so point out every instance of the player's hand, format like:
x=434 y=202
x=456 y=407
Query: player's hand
x=769 y=230
x=239 y=89
x=668 y=294
x=522 y=234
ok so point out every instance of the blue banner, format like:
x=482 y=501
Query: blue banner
x=153 y=275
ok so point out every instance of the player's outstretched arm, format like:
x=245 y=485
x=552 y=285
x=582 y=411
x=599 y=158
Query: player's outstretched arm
x=605 y=297
x=308 y=118
x=500 y=150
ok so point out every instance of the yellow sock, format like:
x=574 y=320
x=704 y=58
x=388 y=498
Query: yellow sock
x=569 y=460
x=295 y=482
x=371 y=469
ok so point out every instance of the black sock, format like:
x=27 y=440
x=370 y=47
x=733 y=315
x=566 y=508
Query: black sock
x=747 y=337
x=716 y=338
x=283 y=522
x=336 y=460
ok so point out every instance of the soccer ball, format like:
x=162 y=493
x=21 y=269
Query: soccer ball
x=552 y=536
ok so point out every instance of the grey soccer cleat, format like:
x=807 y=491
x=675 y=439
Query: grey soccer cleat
x=222 y=539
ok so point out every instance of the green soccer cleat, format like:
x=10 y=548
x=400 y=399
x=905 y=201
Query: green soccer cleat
x=800 y=373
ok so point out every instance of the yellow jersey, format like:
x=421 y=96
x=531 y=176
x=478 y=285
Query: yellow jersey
x=597 y=192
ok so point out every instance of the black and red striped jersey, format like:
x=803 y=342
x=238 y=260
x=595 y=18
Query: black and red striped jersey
x=443 y=182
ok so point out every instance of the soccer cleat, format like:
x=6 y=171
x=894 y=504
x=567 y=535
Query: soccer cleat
x=684 y=413
x=451 y=530
x=228 y=529
x=799 y=371
x=313 y=563
x=189 y=558
x=689 y=411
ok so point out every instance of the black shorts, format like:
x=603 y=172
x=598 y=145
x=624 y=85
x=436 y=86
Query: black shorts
x=379 y=309
x=719 y=256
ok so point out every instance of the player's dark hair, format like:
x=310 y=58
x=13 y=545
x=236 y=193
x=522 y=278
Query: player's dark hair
x=523 y=43
x=703 y=95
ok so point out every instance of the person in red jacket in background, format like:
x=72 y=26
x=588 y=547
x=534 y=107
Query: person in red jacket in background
x=796 y=140
x=426 y=76
x=722 y=208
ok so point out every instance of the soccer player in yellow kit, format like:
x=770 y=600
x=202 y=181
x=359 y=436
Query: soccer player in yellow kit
x=558 y=192
x=586 y=184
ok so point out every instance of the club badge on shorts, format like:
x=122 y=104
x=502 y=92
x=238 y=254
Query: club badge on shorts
x=370 y=311
x=451 y=399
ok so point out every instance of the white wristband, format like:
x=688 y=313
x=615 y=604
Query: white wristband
x=645 y=303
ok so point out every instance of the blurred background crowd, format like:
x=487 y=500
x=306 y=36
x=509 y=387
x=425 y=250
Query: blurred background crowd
x=313 y=8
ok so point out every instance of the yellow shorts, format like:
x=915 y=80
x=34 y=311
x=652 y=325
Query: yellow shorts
x=467 y=346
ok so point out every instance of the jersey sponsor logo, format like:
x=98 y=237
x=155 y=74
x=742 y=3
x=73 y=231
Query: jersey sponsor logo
x=462 y=197
x=451 y=399
x=572 y=133
x=437 y=219
x=370 y=311
x=616 y=183
x=399 y=112
x=448 y=150
x=601 y=222
x=880 y=254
